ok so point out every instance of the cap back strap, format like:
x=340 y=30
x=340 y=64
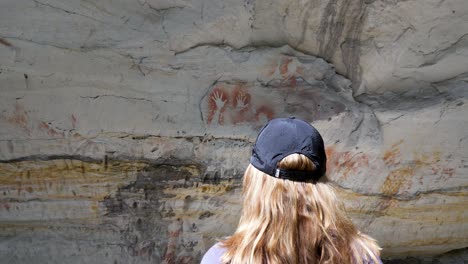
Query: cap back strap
x=297 y=175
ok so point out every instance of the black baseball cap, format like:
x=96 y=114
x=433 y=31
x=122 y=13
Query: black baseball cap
x=281 y=137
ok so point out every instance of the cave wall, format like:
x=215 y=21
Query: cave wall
x=125 y=126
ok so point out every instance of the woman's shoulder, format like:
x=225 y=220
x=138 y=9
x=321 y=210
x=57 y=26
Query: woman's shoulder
x=379 y=261
x=367 y=248
x=214 y=254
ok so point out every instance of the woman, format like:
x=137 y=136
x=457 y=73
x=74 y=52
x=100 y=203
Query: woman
x=289 y=215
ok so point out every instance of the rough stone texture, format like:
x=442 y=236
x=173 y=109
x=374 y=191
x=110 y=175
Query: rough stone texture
x=125 y=126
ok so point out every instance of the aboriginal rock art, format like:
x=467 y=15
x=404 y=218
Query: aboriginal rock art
x=231 y=104
x=422 y=168
x=286 y=68
x=234 y=104
x=24 y=120
x=286 y=86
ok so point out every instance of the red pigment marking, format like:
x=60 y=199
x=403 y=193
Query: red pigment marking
x=73 y=121
x=238 y=118
x=291 y=82
x=272 y=68
x=242 y=104
x=350 y=163
x=185 y=260
x=221 y=95
x=397 y=143
x=264 y=111
x=169 y=258
x=446 y=173
x=284 y=66
x=49 y=130
x=239 y=93
x=18 y=118
x=174 y=232
x=330 y=151
x=6 y=206
x=345 y=163
x=238 y=105
x=420 y=179
x=392 y=157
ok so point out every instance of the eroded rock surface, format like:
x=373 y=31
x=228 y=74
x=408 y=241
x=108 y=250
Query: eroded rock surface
x=125 y=126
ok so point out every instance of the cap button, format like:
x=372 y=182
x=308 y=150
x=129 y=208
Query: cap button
x=292 y=117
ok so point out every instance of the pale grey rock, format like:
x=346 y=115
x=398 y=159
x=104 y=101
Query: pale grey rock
x=125 y=126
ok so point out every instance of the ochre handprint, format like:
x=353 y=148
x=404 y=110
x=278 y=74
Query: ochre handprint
x=217 y=104
x=217 y=98
x=233 y=104
x=241 y=100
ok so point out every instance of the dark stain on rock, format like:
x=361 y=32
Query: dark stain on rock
x=211 y=177
x=5 y=42
x=205 y=214
x=50 y=157
x=187 y=201
x=308 y=7
x=156 y=174
x=331 y=28
x=139 y=204
x=350 y=48
x=143 y=213
x=194 y=228
x=341 y=26
x=105 y=162
x=155 y=219
x=114 y=205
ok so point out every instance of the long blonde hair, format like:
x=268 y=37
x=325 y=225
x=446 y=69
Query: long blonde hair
x=294 y=222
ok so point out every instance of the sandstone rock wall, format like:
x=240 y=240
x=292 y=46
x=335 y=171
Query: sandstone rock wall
x=125 y=126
